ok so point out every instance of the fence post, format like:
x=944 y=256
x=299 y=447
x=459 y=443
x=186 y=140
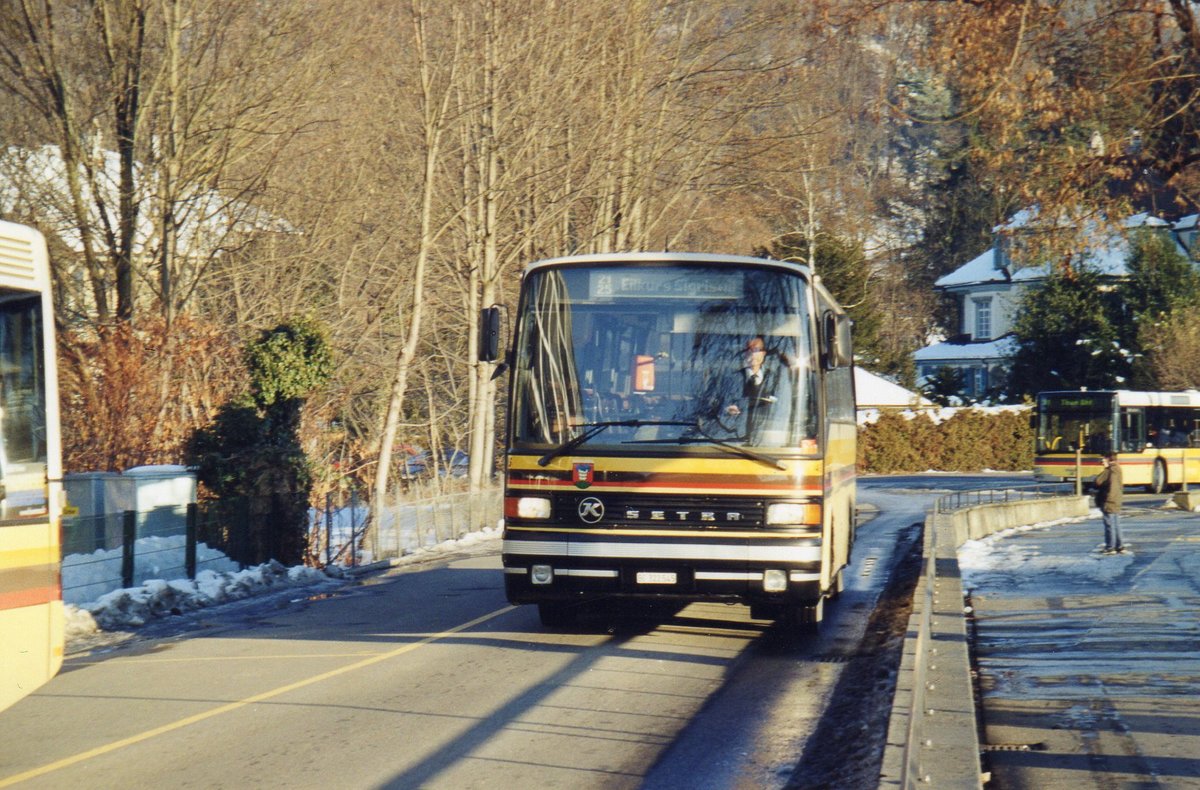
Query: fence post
x=189 y=550
x=329 y=528
x=128 y=539
x=353 y=529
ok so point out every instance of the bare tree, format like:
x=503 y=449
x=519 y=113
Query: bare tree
x=163 y=117
x=435 y=81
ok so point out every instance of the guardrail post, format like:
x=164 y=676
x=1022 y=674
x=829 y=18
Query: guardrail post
x=128 y=539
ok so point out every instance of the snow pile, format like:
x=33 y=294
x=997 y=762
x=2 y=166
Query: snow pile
x=154 y=598
x=158 y=597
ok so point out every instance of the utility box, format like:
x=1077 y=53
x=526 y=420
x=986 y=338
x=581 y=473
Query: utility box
x=158 y=494
x=97 y=493
x=161 y=486
x=95 y=501
x=161 y=495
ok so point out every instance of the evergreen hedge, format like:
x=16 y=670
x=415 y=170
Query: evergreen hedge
x=969 y=440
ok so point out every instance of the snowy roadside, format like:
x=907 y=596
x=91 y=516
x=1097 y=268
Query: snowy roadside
x=121 y=610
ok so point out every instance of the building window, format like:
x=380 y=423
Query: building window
x=983 y=319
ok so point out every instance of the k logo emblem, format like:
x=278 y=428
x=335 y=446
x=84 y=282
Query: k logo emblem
x=591 y=510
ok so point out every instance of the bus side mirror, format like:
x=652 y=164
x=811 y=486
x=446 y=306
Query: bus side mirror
x=835 y=340
x=489 y=334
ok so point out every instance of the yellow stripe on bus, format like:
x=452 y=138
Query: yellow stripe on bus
x=686 y=465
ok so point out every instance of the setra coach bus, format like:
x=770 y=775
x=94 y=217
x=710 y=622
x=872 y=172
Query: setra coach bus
x=31 y=611
x=1156 y=436
x=681 y=426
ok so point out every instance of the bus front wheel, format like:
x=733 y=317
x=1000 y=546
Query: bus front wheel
x=804 y=620
x=1158 y=478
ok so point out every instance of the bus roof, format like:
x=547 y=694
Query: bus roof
x=23 y=262
x=1135 y=398
x=664 y=257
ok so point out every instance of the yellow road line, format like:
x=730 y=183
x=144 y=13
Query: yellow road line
x=66 y=762
x=209 y=659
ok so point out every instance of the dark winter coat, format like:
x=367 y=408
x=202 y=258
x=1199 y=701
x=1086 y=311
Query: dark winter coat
x=1109 y=487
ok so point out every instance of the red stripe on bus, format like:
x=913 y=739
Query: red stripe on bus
x=704 y=486
x=34 y=596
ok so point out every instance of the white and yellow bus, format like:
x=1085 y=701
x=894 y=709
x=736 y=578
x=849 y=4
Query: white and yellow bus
x=1156 y=436
x=681 y=426
x=31 y=612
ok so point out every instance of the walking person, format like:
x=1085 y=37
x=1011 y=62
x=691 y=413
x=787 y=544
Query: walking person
x=1109 y=487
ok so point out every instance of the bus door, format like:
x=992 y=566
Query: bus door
x=1131 y=430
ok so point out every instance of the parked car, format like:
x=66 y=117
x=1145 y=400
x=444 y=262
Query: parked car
x=453 y=462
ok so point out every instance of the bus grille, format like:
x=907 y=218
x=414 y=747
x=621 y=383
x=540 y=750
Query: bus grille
x=659 y=512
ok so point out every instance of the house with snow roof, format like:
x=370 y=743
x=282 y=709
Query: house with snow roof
x=989 y=289
x=874 y=394
x=34 y=188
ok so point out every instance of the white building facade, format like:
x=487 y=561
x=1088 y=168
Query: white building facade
x=989 y=290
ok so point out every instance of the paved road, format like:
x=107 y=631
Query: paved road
x=1090 y=664
x=427 y=678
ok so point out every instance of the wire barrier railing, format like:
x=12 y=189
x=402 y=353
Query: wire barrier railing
x=339 y=529
x=112 y=551
x=990 y=496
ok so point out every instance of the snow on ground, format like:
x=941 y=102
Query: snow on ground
x=978 y=559
x=937 y=414
x=87 y=577
x=218 y=581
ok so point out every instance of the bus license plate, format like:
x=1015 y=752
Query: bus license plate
x=656 y=577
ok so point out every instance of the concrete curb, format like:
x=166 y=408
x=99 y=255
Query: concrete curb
x=933 y=735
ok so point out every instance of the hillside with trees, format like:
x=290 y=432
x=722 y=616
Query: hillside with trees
x=208 y=170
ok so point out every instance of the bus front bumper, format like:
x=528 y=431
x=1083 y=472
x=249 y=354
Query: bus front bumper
x=542 y=581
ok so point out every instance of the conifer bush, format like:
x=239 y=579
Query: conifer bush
x=969 y=440
x=252 y=453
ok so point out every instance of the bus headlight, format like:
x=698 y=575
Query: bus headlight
x=774 y=580
x=794 y=513
x=527 y=507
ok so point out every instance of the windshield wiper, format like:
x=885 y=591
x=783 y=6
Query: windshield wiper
x=742 y=451
x=705 y=436
x=594 y=428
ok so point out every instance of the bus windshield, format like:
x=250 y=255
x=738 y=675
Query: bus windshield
x=1075 y=421
x=658 y=353
x=22 y=408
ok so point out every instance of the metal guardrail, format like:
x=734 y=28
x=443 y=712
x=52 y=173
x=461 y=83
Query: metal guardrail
x=933 y=738
x=992 y=496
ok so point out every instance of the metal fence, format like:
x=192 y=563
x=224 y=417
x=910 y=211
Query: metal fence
x=992 y=496
x=406 y=526
x=119 y=550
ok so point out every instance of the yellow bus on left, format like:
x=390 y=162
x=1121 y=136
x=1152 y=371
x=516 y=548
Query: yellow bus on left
x=31 y=496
